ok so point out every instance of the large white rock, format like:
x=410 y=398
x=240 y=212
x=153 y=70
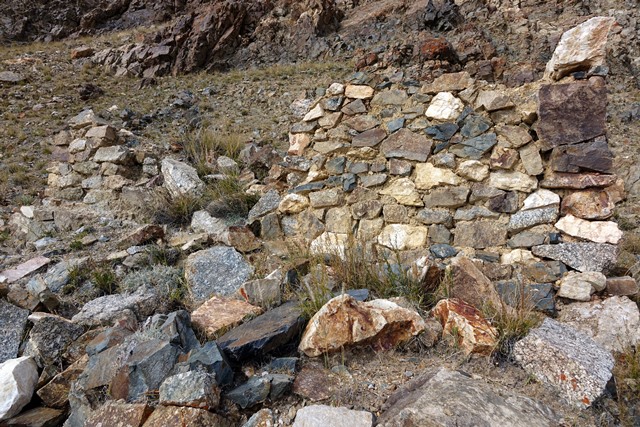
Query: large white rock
x=330 y=416
x=403 y=236
x=512 y=181
x=330 y=244
x=541 y=199
x=594 y=231
x=18 y=379
x=203 y=222
x=429 y=176
x=567 y=359
x=343 y=322
x=580 y=286
x=181 y=179
x=404 y=191
x=581 y=48
x=614 y=322
x=444 y=106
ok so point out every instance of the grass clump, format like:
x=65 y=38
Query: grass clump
x=229 y=199
x=512 y=322
x=204 y=145
x=626 y=372
x=176 y=211
x=105 y=280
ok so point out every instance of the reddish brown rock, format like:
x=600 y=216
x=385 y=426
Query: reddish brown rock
x=114 y=413
x=588 y=156
x=219 y=314
x=437 y=48
x=405 y=144
x=343 y=321
x=82 y=52
x=590 y=204
x=470 y=285
x=316 y=383
x=37 y=417
x=241 y=238
x=55 y=393
x=571 y=113
x=465 y=323
x=178 y=416
x=576 y=181
x=142 y=235
x=622 y=286
x=369 y=138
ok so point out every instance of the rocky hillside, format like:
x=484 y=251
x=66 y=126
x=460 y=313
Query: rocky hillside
x=444 y=235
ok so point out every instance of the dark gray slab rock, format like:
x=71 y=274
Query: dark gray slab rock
x=571 y=113
x=442 y=132
x=106 y=309
x=568 y=360
x=249 y=394
x=13 y=320
x=50 y=337
x=369 y=138
x=268 y=332
x=449 y=197
x=149 y=363
x=268 y=203
x=592 y=155
x=527 y=239
x=452 y=398
x=442 y=250
x=435 y=216
x=211 y=359
x=408 y=145
x=219 y=270
x=474 y=148
x=581 y=256
x=538 y=295
x=176 y=328
x=196 y=389
x=474 y=125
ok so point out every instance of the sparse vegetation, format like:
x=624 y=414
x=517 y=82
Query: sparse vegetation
x=203 y=146
x=512 y=323
x=166 y=280
x=627 y=376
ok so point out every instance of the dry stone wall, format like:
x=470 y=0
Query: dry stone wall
x=454 y=165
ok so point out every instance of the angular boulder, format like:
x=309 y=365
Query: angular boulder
x=13 y=321
x=567 y=359
x=470 y=330
x=219 y=314
x=219 y=270
x=470 y=285
x=270 y=331
x=331 y=416
x=195 y=389
x=571 y=113
x=343 y=322
x=452 y=398
x=580 y=48
x=180 y=179
x=594 y=231
x=613 y=323
x=580 y=256
x=18 y=379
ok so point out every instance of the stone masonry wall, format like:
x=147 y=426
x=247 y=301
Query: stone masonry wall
x=455 y=165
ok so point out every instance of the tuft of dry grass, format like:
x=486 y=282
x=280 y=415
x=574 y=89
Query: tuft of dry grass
x=203 y=146
x=626 y=373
